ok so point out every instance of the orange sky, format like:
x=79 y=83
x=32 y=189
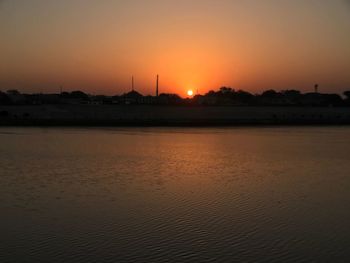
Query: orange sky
x=96 y=46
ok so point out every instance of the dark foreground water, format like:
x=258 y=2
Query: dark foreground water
x=175 y=195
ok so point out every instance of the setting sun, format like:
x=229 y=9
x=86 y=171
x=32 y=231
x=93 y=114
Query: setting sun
x=190 y=93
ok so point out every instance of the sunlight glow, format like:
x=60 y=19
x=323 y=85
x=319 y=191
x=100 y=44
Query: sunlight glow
x=190 y=93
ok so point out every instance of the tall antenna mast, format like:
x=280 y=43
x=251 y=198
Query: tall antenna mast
x=157 y=86
x=132 y=83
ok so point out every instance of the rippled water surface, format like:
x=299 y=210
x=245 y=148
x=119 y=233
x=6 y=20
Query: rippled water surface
x=175 y=195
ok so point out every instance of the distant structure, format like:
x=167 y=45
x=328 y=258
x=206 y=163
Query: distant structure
x=316 y=88
x=157 y=86
x=132 y=83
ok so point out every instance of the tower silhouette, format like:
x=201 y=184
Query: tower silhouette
x=157 y=86
x=132 y=83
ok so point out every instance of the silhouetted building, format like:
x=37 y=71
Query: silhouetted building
x=132 y=97
x=16 y=97
x=169 y=98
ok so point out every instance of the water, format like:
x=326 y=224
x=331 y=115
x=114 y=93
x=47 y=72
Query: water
x=175 y=195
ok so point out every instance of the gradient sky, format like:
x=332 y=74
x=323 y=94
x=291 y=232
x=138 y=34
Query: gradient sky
x=97 y=45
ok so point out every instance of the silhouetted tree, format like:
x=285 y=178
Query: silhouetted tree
x=13 y=92
x=243 y=97
x=347 y=94
x=226 y=90
x=4 y=99
x=79 y=95
x=292 y=97
x=133 y=95
x=169 y=98
x=333 y=100
x=65 y=94
x=291 y=93
x=270 y=94
x=211 y=93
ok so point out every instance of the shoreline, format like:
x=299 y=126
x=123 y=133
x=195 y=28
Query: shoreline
x=169 y=116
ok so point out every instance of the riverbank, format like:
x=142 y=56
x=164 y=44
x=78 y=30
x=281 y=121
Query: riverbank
x=145 y=115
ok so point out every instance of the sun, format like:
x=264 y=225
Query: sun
x=190 y=93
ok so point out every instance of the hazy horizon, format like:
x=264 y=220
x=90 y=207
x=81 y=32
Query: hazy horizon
x=96 y=46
